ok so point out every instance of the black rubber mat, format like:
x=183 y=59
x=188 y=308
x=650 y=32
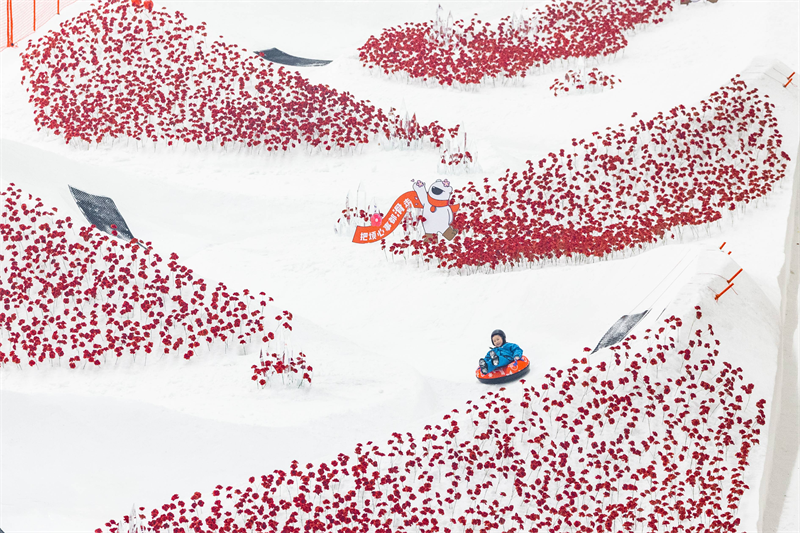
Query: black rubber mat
x=620 y=330
x=102 y=212
x=282 y=58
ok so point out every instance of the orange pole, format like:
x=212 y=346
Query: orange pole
x=723 y=292
x=9 y=24
x=34 y=15
x=790 y=80
x=734 y=276
x=58 y=7
x=723 y=245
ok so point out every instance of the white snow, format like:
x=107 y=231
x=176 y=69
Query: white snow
x=393 y=345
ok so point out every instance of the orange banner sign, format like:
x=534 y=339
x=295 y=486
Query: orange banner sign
x=392 y=219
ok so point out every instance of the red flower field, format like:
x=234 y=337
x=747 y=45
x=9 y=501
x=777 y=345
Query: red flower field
x=623 y=189
x=86 y=298
x=126 y=71
x=471 y=52
x=656 y=436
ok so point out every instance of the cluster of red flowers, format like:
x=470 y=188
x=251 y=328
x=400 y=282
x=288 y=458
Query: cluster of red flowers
x=656 y=437
x=620 y=190
x=84 y=298
x=455 y=158
x=288 y=367
x=453 y=155
x=469 y=52
x=354 y=216
x=122 y=71
x=595 y=80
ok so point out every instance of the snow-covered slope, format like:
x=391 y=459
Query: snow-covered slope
x=393 y=345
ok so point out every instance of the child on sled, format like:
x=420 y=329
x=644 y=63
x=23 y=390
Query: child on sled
x=502 y=354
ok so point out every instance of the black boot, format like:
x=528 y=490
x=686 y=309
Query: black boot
x=484 y=366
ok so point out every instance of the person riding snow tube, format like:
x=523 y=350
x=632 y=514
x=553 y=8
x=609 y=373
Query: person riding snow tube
x=503 y=362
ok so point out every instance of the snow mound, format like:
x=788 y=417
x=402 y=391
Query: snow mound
x=461 y=52
x=663 y=431
x=89 y=299
x=118 y=71
x=625 y=188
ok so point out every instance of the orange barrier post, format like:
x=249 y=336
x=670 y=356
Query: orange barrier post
x=723 y=292
x=734 y=276
x=723 y=245
x=790 y=80
x=9 y=24
x=25 y=17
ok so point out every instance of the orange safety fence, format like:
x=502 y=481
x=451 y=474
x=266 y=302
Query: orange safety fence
x=23 y=17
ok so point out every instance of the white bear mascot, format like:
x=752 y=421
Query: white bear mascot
x=436 y=208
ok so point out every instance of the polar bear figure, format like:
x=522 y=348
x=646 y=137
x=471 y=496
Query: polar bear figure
x=436 y=209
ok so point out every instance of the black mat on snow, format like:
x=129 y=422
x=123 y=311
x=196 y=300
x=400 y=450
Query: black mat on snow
x=282 y=58
x=102 y=212
x=620 y=330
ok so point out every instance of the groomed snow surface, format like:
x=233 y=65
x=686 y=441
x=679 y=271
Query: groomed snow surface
x=393 y=344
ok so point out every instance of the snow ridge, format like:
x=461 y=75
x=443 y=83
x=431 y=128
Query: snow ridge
x=656 y=436
x=470 y=52
x=89 y=298
x=118 y=71
x=620 y=190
